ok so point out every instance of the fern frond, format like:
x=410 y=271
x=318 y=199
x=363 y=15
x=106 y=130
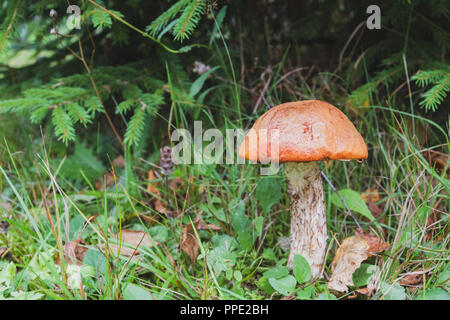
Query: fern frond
x=189 y=19
x=39 y=114
x=21 y=105
x=436 y=94
x=426 y=77
x=159 y=23
x=93 y=105
x=136 y=126
x=78 y=113
x=151 y=102
x=126 y=105
x=63 y=125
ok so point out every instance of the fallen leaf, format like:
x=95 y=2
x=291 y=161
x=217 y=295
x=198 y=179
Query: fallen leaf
x=106 y=178
x=119 y=162
x=436 y=158
x=160 y=207
x=189 y=243
x=412 y=279
x=74 y=252
x=349 y=256
x=376 y=245
x=371 y=194
x=202 y=226
x=175 y=183
x=375 y=210
x=131 y=241
x=151 y=186
x=150 y=219
x=367 y=291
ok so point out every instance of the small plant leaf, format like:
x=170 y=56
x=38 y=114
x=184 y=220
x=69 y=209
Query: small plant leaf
x=392 y=292
x=301 y=269
x=198 y=84
x=134 y=292
x=354 y=202
x=268 y=192
x=285 y=285
x=363 y=274
x=435 y=294
x=241 y=225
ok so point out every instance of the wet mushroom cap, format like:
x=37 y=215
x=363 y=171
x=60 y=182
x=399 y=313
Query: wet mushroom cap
x=309 y=130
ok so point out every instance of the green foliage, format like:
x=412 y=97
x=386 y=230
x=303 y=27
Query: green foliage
x=63 y=124
x=134 y=292
x=285 y=285
x=71 y=85
x=301 y=269
x=278 y=279
x=354 y=202
x=268 y=192
x=190 y=13
x=439 y=79
x=363 y=274
x=70 y=105
x=241 y=225
x=393 y=291
x=82 y=162
x=147 y=105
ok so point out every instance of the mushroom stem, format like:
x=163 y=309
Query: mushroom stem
x=308 y=215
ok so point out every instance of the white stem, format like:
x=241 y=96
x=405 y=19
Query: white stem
x=308 y=214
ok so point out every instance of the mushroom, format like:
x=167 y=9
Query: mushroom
x=308 y=131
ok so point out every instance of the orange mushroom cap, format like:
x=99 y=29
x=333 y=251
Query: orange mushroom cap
x=309 y=130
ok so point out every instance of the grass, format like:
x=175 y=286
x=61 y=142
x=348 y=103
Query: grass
x=409 y=188
x=54 y=201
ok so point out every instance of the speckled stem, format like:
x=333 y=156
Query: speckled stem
x=308 y=214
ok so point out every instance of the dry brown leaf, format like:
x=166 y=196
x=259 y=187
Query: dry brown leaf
x=375 y=210
x=371 y=194
x=367 y=291
x=349 y=256
x=376 y=245
x=150 y=219
x=203 y=226
x=413 y=279
x=175 y=183
x=74 y=252
x=119 y=162
x=108 y=178
x=131 y=241
x=151 y=187
x=439 y=159
x=189 y=243
x=160 y=207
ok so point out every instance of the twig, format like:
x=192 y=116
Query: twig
x=341 y=197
